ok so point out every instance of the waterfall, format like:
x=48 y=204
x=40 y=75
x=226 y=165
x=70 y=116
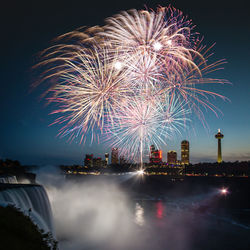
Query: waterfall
x=32 y=200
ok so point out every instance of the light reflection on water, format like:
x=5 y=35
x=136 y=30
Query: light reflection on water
x=139 y=214
x=179 y=225
x=150 y=210
x=159 y=210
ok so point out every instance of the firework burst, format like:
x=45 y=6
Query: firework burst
x=135 y=79
x=89 y=91
x=160 y=38
x=146 y=121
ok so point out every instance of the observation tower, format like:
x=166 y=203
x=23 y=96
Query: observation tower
x=219 y=136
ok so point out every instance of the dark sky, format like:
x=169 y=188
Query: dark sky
x=28 y=27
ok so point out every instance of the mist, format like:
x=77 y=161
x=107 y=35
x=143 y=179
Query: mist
x=89 y=214
x=99 y=213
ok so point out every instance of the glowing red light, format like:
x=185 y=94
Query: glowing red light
x=159 y=210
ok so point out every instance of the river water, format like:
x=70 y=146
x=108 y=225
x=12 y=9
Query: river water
x=124 y=212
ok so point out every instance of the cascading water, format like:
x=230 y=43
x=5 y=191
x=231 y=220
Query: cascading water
x=32 y=200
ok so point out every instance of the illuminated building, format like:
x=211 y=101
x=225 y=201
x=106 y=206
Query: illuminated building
x=172 y=157
x=107 y=158
x=114 y=156
x=152 y=149
x=219 y=136
x=97 y=162
x=185 y=152
x=155 y=155
x=88 y=161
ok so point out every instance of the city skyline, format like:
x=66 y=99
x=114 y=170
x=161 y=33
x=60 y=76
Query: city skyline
x=154 y=156
x=25 y=131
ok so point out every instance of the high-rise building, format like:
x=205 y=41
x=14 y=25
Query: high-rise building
x=155 y=156
x=219 y=136
x=88 y=161
x=97 y=162
x=185 y=152
x=172 y=157
x=107 y=158
x=152 y=149
x=114 y=156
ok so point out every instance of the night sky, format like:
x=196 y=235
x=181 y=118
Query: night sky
x=28 y=27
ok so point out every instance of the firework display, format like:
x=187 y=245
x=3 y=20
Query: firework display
x=136 y=80
x=142 y=123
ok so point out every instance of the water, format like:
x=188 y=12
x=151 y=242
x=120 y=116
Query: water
x=32 y=200
x=122 y=212
x=128 y=213
x=179 y=225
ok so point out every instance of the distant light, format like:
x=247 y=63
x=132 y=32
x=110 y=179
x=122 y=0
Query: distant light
x=118 y=65
x=224 y=191
x=157 y=46
x=140 y=172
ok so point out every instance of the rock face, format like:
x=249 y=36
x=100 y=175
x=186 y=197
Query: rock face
x=19 y=232
x=32 y=200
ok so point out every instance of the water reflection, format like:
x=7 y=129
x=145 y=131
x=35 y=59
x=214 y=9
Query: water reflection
x=139 y=215
x=159 y=210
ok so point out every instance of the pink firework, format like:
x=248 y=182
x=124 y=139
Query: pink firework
x=136 y=79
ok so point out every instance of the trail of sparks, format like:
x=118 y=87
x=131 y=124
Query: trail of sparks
x=136 y=79
x=145 y=122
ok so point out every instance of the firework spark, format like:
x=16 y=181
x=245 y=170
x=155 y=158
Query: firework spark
x=136 y=79
x=143 y=122
x=161 y=38
x=90 y=88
